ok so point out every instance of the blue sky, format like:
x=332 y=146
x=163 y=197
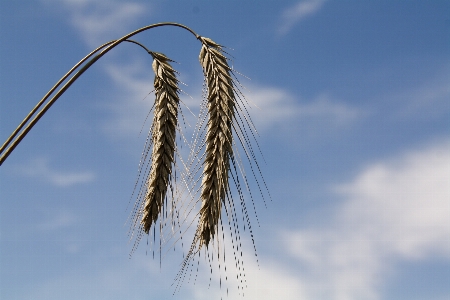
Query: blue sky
x=351 y=102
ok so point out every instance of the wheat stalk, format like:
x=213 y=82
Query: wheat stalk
x=219 y=151
x=225 y=117
x=163 y=138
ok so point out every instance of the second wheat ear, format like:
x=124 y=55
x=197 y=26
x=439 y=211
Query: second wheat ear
x=219 y=138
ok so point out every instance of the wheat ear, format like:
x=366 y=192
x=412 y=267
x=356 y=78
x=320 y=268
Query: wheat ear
x=163 y=137
x=219 y=151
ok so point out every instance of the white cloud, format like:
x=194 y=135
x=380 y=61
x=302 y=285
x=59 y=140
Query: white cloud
x=269 y=107
x=100 y=21
x=130 y=107
x=393 y=211
x=268 y=282
x=407 y=200
x=273 y=107
x=325 y=107
x=40 y=169
x=297 y=13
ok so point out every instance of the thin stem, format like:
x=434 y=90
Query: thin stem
x=142 y=46
x=41 y=102
x=107 y=47
x=33 y=111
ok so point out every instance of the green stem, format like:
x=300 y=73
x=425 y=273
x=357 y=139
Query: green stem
x=107 y=47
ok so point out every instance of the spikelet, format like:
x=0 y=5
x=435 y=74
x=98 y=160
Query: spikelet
x=227 y=135
x=219 y=151
x=163 y=138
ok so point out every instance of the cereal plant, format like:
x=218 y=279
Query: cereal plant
x=178 y=191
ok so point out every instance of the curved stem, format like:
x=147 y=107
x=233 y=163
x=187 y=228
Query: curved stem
x=142 y=46
x=33 y=111
x=107 y=47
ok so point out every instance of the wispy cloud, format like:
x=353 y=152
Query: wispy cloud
x=40 y=168
x=393 y=211
x=269 y=107
x=97 y=22
x=274 y=107
x=266 y=282
x=297 y=13
x=428 y=100
x=132 y=106
x=100 y=21
x=63 y=219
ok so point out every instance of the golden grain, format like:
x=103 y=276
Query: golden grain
x=163 y=138
x=221 y=102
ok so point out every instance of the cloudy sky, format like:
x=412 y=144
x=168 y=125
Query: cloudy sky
x=351 y=103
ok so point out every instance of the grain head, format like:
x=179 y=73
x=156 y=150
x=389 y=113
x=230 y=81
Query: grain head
x=163 y=139
x=221 y=102
x=226 y=134
x=161 y=143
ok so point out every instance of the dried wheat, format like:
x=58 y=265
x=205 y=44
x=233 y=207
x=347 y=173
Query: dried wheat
x=223 y=129
x=219 y=151
x=163 y=138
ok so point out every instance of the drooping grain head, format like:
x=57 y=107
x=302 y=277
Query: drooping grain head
x=227 y=135
x=219 y=151
x=163 y=138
